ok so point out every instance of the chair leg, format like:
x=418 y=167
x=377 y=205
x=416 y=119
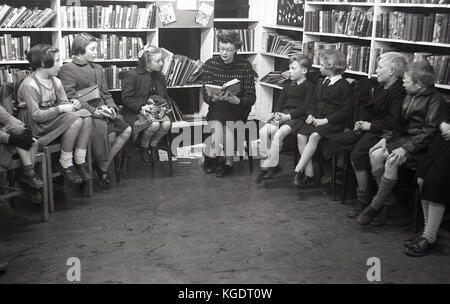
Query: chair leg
x=45 y=203
x=346 y=173
x=48 y=158
x=89 y=190
x=117 y=166
x=249 y=154
x=127 y=167
x=169 y=155
x=333 y=177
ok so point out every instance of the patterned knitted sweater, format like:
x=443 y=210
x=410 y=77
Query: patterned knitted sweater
x=216 y=72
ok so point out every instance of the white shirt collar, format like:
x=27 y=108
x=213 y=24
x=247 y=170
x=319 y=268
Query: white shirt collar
x=333 y=79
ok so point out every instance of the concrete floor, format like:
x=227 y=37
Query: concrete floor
x=194 y=228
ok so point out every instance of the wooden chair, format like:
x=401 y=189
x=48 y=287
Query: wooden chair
x=87 y=187
x=12 y=191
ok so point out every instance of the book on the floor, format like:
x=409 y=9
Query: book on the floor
x=232 y=86
x=167 y=13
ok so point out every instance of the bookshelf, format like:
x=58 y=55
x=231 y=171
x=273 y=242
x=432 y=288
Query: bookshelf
x=269 y=62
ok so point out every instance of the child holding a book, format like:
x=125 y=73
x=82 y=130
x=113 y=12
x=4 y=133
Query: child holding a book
x=110 y=131
x=330 y=107
x=289 y=114
x=143 y=90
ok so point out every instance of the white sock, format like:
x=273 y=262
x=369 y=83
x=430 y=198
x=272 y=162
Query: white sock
x=66 y=159
x=435 y=215
x=79 y=156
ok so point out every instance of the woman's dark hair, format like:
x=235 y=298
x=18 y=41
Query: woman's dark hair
x=42 y=56
x=80 y=42
x=230 y=36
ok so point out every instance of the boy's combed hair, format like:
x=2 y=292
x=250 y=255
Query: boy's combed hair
x=302 y=59
x=396 y=61
x=42 y=56
x=421 y=72
x=230 y=36
x=333 y=60
x=80 y=42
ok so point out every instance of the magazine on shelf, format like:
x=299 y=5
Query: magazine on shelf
x=167 y=14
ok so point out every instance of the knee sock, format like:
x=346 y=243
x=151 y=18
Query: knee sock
x=363 y=197
x=28 y=170
x=435 y=215
x=383 y=196
x=80 y=156
x=425 y=208
x=66 y=159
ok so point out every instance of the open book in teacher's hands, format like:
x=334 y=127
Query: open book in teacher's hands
x=232 y=86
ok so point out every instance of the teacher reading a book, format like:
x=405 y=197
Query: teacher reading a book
x=227 y=105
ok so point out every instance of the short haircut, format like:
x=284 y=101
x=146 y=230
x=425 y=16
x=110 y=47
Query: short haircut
x=333 y=60
x=230 y=36
x=42 y=56
x=302 y=59
x=421 y=72
x=395 y=61
x=80 y=42
x=147 y=53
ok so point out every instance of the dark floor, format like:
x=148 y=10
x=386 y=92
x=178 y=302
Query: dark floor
x=194 y=228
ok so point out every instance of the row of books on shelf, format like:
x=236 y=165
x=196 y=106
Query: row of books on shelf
x=440 y=63
x=108 y=17
x=112 y=76
x=418 y=1
x=180 y=70
x=110 y=46
x=414 y=27
x=14 y=48
x=23 y=17
x=354 y=23
x=280 y=44
x=247 y=36
x=9 y=75
x=345 y=1
x=357 y=55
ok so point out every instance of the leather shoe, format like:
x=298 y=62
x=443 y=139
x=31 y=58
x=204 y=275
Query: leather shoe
x=223 y=170
x=421 y=248
x=32 y=180
x=260 y=175
x=298 y=179
x=3 y=266
x=145 y=155
x=210 y=165
x=367 y=215
x=382 y=217
x=309 y=181
x=272 y=172
x=71 y=174
x=84 y=172
x=155 y=153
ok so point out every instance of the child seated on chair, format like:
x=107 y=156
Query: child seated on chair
x=15 y=136
x=330 y=107
x=289 y=114
x=144 y=92
x=421 y=113
x=50 y=115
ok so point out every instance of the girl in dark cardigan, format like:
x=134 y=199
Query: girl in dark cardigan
x=227 y=107
x=137 y=87
x=82 y=73
x=50 y=115
x=328 y=109
x=434 y=175
x=420 y=117
x=289 y=114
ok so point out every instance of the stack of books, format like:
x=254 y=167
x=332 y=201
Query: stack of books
x=180 y=70
x=112 y=76
x=280 y=44
x=247 y=37
x=440 y=63
x=414 y=27
x=357 y=55
x=110 y=47
x=356 y=22
x=14 y=48
x=108 y=17
x=275 y=77
x=11 y=17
